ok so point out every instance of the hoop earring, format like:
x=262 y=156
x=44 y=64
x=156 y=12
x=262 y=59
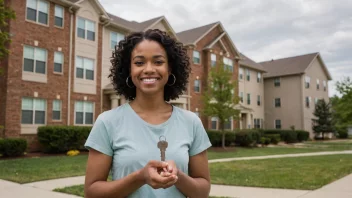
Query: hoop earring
x=127 y=83
x=174 y=80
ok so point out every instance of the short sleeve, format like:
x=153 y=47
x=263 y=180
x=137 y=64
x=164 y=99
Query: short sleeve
x=99 y=138
x=201 y=140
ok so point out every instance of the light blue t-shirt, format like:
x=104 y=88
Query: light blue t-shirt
x=132 y=143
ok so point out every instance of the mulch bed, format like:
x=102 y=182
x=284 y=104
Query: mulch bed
x=40 y=154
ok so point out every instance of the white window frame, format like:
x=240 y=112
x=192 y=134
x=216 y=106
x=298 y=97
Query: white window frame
x=86 y=29
x=60 y=110
x=228 y=64
x=231 y=124
x=63 y=16
x=309 y=100
x=277 y=82
x=34 y=109
x=213 y=60
x=318 y=84
x=259 y=77
x=248 y=75
x=119 y=37
x=84 y=68
x=307 y=82
x=37 y=12
x=35 y=60
x=214 y=119
x=259 y=100
x=280 y=123
x=194 y=86
x=275 y=102
x=240 y=73
x=84 y=113
x=195 y=52
x=62 y=62
x=248 y=98
x=324 y=85
x=241 y=97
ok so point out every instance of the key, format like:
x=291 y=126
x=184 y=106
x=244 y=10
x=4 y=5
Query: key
x=162 y=145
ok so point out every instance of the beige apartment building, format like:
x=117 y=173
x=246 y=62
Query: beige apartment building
x=251 y=93
x=292 y=88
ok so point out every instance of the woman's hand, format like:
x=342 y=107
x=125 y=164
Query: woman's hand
x=154 y=175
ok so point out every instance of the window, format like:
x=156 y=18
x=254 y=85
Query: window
x=259 y=77
x=228 y=64
x=228 y=124
x=34 y=60
x=33 y=111
x=257 y=124
x=58 y=61
x=84 y=112
x=324 y=85
x=277 y=102
x=277 y=82
x=214 y=123
x=197 y=85
x=307 y=82
x=318 y=84
x=258 y=100
x=196 y=57
x=57 y=110
x=37 y=11
x=59 y=16
x=241 y=96
x=213 y=60
x=115 y=38
x=277 y=124
x=316 y=101
x=84 y=68
x=248 y=99
x=308 y=100
x=248 y=75
x=241 y=73
x=86 y=29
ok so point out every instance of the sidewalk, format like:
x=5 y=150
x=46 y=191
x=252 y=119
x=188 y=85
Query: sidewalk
x=341 y=188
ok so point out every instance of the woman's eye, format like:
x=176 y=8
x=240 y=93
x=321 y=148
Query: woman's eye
x=138 y=63
x=159 y=62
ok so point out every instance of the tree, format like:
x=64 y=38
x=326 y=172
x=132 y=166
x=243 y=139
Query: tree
x=220 y=98
x=6 y=13
x=342 y=106
x=323 y=121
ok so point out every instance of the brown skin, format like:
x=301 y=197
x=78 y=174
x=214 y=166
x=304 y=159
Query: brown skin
x=148 y=60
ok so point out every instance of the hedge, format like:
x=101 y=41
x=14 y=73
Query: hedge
x=248 y=138
x=289 y=136
x=274 y=138
x=215 y=138
x=12 y=147
x=60 y=139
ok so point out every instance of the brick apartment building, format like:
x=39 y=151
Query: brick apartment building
x=56 y=72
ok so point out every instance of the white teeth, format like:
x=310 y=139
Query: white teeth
x=149 y=79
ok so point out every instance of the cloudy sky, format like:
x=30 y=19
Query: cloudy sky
x=262 y=30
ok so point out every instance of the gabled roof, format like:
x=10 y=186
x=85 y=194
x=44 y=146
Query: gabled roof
x=191 y=36
x=247 y=62
x=292 y=65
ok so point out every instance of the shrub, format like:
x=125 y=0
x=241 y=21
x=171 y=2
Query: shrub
x=215 y=138
x=247 y=138
x=288 y=136
x=265 y=141
x=302 y=135
x=60 y=139
x=13 y=147
x=274 y=138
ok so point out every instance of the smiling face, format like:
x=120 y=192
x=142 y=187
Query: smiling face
x=149 y=68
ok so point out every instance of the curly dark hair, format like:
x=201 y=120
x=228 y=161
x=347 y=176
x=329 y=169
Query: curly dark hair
x=178 y=62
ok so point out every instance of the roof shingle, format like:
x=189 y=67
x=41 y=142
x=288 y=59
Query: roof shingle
x=288 y=66
x=245 y=61
x=191 y=35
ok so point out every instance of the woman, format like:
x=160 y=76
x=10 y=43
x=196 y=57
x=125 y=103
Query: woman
x=149 y=69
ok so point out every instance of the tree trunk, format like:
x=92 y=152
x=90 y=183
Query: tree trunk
x=223 y=135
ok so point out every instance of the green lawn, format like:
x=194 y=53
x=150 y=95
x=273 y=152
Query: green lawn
x=36 y=169
x=26 y=170
x=305 y=173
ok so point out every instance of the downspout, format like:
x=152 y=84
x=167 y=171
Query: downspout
x=69 y=70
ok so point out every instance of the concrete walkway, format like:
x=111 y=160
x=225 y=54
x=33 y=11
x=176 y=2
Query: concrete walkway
x=341 y=188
